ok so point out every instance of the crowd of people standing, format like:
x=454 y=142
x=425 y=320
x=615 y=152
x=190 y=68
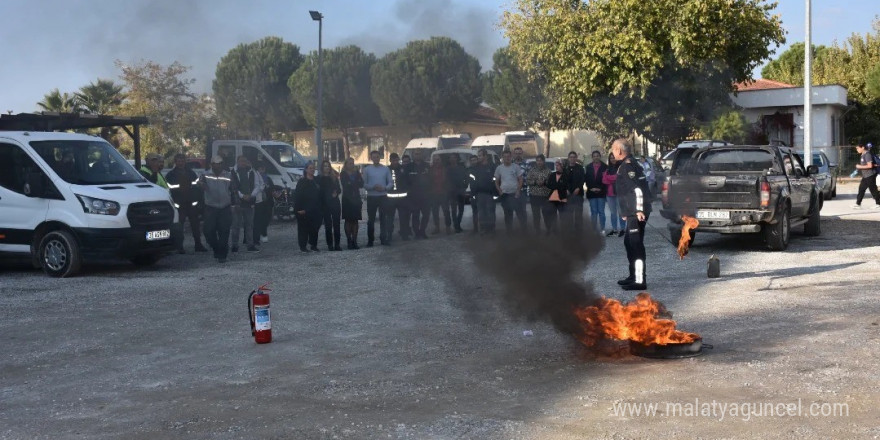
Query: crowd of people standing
x=410 y=193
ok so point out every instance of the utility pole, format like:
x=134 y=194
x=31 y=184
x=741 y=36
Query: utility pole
x=808 y=91
x=317 y=16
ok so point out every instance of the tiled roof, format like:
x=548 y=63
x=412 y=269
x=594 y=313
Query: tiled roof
x=762 y=84
x=487 y=114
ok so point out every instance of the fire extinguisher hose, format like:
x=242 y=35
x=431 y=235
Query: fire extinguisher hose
x=251 y=311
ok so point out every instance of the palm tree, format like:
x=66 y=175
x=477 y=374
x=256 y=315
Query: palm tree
x=56 y=101
x=101 y=98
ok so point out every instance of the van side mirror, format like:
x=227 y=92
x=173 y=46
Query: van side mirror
x=812 y=169
x=35 y=185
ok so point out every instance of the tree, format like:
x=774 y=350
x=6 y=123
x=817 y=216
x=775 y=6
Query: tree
x=855 y=64
x=55 y=101
x=729 y=125
x=425 y=82
x=513 y=93
x=179 y=119
x=251 y=87
x=789 y=67
x=661 y=67
x=101 y=98
x=346 y=93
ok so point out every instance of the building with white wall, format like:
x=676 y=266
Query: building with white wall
x=777 y=109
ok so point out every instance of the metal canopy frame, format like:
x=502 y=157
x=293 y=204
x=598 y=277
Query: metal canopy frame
x=54 y=121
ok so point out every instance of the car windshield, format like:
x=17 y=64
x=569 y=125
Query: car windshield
x=453 y=142
x=728 y=161
x=87 y=162
x=285 y=155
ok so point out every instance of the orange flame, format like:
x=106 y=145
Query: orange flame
x=634 y=321
x=685 y=241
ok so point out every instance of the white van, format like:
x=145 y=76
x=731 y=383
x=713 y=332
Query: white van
x=508 y=141
x=67 y=197
x=426 y=146
x=284 y=165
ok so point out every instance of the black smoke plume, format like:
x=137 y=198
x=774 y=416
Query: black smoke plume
x=531 y=277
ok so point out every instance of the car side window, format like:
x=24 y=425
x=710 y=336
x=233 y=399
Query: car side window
x=798 y=166
x=15 y=166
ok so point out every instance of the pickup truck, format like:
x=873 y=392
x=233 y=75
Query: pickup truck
x=744 y=190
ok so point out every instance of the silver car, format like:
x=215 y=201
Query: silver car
x=826 y=178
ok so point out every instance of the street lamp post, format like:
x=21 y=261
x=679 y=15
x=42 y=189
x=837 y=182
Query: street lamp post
x=318 y=141
x=808 y=90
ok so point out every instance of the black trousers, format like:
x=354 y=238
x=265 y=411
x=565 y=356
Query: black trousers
x=331 y=223
x=540 y=207
x=555 y=214
x=262 y=217
x=456 y=205
x=397 y=206
x=307 y=227
x=375 y=205
x=218 y=222
x=440 y=202
x=576 y=211
x=634 y=242
x=511 y=204
x=189 y=212
x=420 y=209
x=868 y=183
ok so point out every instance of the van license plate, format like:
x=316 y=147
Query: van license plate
x=713 y=215
x=158 y=235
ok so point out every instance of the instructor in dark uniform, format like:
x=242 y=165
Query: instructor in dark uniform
x=635 y=207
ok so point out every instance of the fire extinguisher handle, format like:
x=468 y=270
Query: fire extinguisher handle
x=251 y=311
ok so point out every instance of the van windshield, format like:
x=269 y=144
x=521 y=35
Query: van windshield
x=285 y=155
x=87 y=162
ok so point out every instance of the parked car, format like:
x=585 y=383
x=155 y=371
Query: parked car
x=745 y=189
x=429 y=145
x=508 y=140
x=827 y=175
x=659 y=175
x=67 y=198
x=687 y=148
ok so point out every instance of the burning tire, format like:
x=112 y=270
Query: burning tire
x=776 y=236
x=676 y=236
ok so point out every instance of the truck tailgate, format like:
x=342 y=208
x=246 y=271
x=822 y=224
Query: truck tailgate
x=718 y=191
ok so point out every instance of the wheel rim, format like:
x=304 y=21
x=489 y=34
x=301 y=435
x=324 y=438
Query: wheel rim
x=55 y=255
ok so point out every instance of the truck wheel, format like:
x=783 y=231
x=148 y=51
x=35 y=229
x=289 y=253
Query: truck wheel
x=812 y=227
x=146 y=259
x=59 y=254
x=675 y=236
x=776 y=236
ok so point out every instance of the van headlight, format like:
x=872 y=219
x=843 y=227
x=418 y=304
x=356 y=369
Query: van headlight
x=92 y=205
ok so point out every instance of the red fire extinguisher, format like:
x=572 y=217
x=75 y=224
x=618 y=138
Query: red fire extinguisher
x=258 y=311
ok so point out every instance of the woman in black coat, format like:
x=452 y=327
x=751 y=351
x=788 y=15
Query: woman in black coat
x=352 y=204
x=307 y=206
x=330 y=192
x=557 y=183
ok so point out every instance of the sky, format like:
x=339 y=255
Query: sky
x=66 y=44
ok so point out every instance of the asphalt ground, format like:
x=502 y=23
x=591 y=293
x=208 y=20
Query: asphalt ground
x=378 y=343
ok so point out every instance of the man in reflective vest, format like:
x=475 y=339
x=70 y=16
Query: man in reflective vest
x=183 y=183
x=151 y=169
